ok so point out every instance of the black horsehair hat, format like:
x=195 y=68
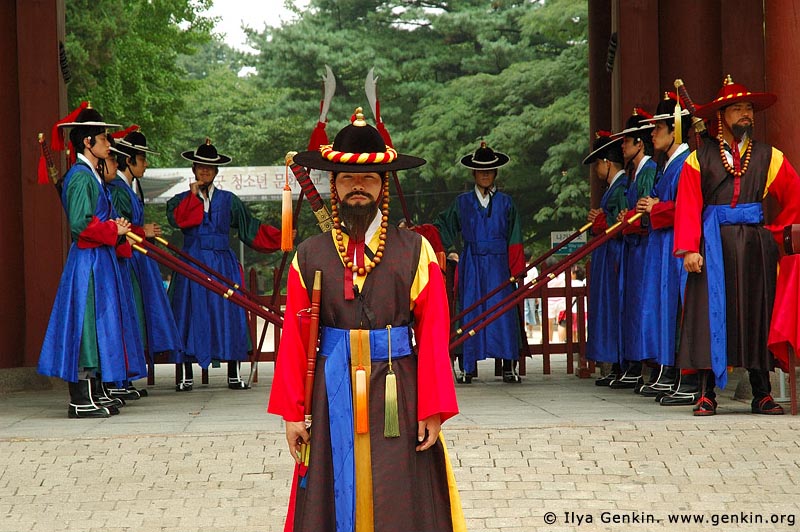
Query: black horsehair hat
x=206 y=153
x=357 y=148
x=605 y=147
x=134 y=143
x=484 y=158
x=89 y=118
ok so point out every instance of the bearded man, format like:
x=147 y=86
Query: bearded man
x=729 y=253
x=378 y=460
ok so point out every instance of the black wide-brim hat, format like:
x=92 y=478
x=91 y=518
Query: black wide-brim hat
x=485 y=158
x=206 y=153
x=89 y=117
x=357 y=148
x=605 y=147
x=665 y=112
x=134 y=142
x=636 y=124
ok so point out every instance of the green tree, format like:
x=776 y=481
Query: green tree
x=123 y=55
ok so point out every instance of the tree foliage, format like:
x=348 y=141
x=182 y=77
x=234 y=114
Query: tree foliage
x=451 y=72
x=123 y=55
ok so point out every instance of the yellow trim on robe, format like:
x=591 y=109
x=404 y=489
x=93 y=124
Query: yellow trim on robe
x=426 y=256
x=775 y=165
x=456 y=512
x=296 y=267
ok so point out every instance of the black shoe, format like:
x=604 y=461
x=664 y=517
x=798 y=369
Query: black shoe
x=81 y=404
x=184 y=386
x=766 y=405
x=605 y=381
x=626 y=382
x=141 y=393
x=237 y=384
x=706 y=406
x=511 y=377
x=123 y=394
x=463 y=378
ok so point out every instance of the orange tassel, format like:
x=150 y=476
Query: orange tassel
x=287 y=232
x=362 y=418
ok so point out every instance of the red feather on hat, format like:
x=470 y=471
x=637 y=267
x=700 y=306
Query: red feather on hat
x=57 y=136
x=124 y=132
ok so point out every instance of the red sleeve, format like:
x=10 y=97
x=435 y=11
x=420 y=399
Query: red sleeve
x=784 y=330
x=516 y=258
x=662 y=215
x=138 y=230
x=600 y=224
x=98 y=234
x=189 y=212
x=124 y=250
x=435 y=388
x=634 y=228
x=784 y=185
x=688 y=209
x=287 y=396
x=267 y=240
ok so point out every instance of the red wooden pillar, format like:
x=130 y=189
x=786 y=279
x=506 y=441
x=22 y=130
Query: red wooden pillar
x=599 y=82
x=41 y=100
x=783 y=78
x=12 y=288
x=638 y=60
x=742 y=29
x=690 y=47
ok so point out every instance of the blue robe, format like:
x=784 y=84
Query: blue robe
x=91 y=285
x=633 y=271
x=482 y=267
x=157 y=323
x=212 y=328
x=604 y=324
x=663 y=275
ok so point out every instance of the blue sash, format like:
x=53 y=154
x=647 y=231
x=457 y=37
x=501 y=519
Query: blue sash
x=713 y=217
x=335 y=349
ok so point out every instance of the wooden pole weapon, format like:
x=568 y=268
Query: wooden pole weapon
x=170 y=261
x=311 y=365
x=524 y=292
x=521 y=275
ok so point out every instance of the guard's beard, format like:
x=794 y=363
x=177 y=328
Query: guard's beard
x=739 y=131
x=357 y=217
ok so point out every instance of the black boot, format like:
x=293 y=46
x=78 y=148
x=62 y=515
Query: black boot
x=81 y=404
x=186 y=381
x=707 y=403
x=133 y=389
x=630 y=378
x=686 y=393
x=235 y=381
x=121 y=392
x=101 y=397
x=610 y=377
x=511 y=372
x=665 y=382
x=462 y=377
x=763 y=403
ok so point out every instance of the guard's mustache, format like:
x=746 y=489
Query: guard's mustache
x=363 y=194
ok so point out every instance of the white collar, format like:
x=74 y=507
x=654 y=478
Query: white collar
x=641 y=165
x=83 y=158
x=484 y=200
x=681 y=148
x=616 y=176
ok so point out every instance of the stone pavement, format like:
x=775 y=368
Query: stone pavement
x=554 y=453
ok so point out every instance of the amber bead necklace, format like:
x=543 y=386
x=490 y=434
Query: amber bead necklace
x=747 y=152
x=337 y=229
